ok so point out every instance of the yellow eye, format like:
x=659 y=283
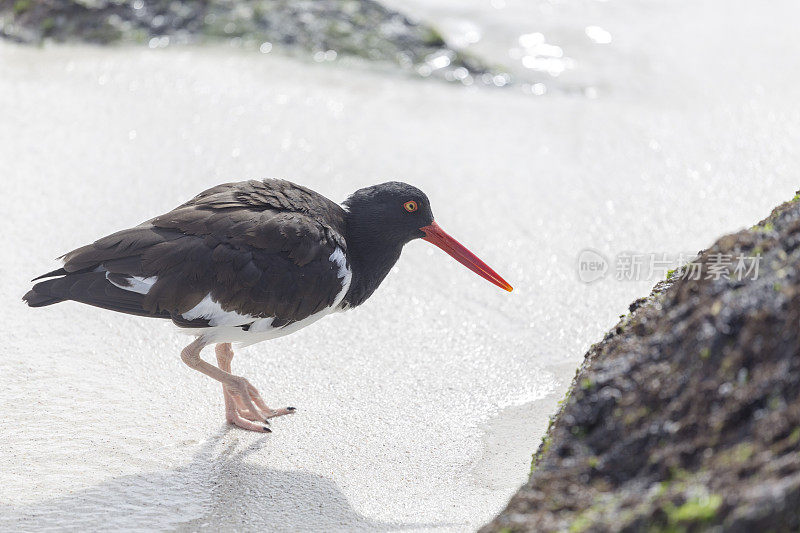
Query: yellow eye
x=410 y=206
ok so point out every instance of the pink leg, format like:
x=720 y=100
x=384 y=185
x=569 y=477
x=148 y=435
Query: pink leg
x=233 y=404
x=224 y=356
x=239 y=387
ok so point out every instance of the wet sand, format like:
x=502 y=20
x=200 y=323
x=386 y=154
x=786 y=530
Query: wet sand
x=420 y=409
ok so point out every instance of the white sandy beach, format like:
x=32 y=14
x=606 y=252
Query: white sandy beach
x=420 y=409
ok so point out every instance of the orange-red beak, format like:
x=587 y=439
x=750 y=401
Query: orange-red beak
x=436 y=235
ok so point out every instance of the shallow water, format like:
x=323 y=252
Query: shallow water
x=409 y=408
x=575 y=46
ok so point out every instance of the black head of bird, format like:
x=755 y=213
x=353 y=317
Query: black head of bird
x=251 y=261
x=389 y=215
x=392 y=212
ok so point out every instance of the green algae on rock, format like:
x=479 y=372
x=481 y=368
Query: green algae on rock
x=686 y=416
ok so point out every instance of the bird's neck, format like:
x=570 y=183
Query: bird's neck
x=371 y=258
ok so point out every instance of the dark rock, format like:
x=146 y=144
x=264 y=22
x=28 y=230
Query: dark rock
x=687 y=416
x=327 y=29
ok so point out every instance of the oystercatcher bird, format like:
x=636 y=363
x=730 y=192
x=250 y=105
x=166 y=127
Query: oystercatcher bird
x=250 y=261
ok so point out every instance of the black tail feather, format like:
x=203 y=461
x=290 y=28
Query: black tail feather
x=39 y=299
x=90 y=288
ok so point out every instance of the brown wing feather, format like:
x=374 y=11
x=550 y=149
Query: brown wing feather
x=259 y=247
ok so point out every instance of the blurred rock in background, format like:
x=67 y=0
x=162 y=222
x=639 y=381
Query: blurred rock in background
x=325 y=29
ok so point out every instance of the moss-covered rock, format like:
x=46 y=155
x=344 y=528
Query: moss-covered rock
x=688 y=411
x=360 y=28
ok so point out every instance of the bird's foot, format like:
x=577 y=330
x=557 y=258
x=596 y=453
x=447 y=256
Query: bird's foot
x=245 y=408
x=264 y=414
x=272 y=413
x=239 y=420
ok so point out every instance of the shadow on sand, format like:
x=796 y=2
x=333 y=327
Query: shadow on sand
x=218 y=490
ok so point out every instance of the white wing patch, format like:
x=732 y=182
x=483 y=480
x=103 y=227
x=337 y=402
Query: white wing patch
x=261 y=325
x=138 y=284
x=344 y=274
x=215 y=314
